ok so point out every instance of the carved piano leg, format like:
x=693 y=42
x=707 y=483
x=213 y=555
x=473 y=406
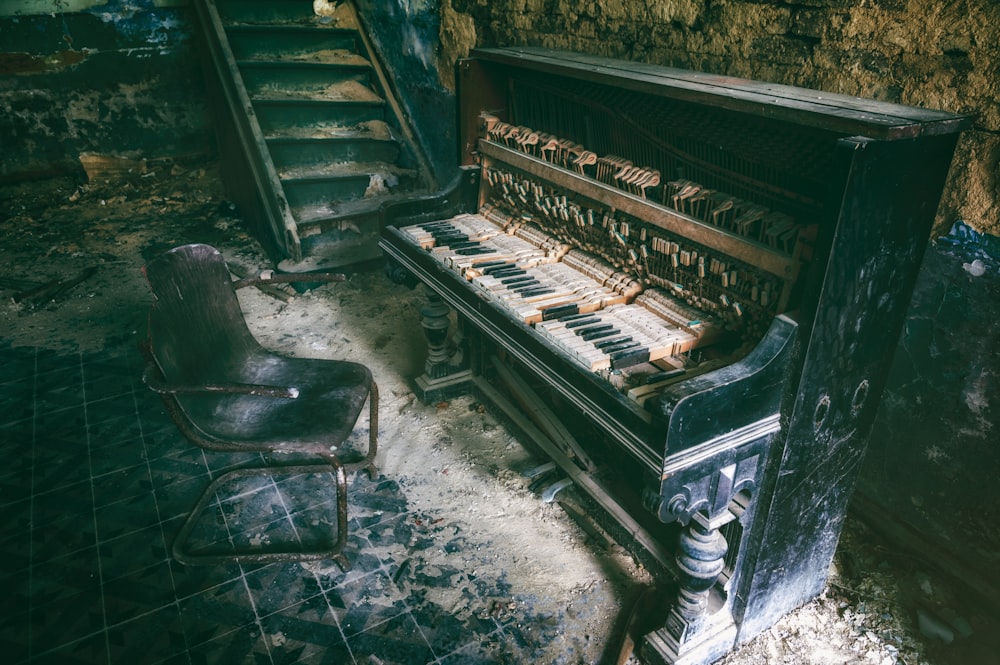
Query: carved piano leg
x=696 y=633
x=445 y=370
x=705 y=498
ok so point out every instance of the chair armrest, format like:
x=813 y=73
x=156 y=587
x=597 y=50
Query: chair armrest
x=153 y=378
x=268 y=277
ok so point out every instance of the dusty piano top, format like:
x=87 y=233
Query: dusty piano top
x=828 y=111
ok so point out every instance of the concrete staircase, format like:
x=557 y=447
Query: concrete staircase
x=311 y=140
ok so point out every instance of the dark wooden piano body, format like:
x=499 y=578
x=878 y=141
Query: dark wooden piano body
x=760 y=453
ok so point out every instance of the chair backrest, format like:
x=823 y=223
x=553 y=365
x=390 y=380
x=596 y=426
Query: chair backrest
x=197 y=333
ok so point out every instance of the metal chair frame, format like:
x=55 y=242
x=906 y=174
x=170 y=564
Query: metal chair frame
x=202 y=267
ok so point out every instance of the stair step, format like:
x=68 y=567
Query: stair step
x=374 y=130
x=276 y=42
x=335 y=91
x=315 y=218
x=303 y=146
x=261 y=76
x=289 y=153
x=330 y=243
x=276 y=114
x=267 y=11
x=327 y=184
x=322 y=217
x=316 y=58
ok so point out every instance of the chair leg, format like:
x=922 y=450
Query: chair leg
x=335 y=552
x=368 y=462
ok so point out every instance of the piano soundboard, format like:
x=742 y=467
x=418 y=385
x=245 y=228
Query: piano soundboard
x=620 y=295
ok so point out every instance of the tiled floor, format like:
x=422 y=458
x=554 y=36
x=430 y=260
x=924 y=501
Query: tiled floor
x=95 y=485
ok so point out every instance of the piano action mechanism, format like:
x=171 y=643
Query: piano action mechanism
x=685 y=289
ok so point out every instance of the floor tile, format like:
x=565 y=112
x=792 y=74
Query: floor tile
x=150 y=637
x=136 y=594
x=103 y=481
x=397 y=641
x=296 y=637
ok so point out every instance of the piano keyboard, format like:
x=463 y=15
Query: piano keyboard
x=617 y=337
x=579 y=302
x=544 y=292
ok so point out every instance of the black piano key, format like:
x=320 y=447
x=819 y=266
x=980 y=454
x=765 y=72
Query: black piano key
x=491 y=267
x=459 y=245
x=615 y=348
x=598 y=332
x=510 y=272
x=444 y=237
x=558 y=311
x=577 y=323
x=531 y=293
x=476 y=251
x=597 y=326
x=573 y=318
x=605 y=343
x=528 y=285
x=519 y=279
x=630 y=357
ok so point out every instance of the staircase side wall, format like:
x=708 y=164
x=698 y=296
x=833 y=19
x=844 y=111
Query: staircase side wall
x=406 y=36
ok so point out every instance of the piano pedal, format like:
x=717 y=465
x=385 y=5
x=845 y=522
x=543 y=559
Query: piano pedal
x=544 y=480
x=539 y=470
x=549 y=495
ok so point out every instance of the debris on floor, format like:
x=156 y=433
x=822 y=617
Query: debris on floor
x=462 y=473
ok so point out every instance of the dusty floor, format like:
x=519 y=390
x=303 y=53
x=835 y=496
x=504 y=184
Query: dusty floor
x=453 y=460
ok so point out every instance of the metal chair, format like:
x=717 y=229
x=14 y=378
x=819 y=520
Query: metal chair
x=227 y=393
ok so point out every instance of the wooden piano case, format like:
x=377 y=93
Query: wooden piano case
x=729 y=467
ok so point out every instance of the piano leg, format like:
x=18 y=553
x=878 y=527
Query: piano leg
x=446 y=371
x=695 y=632
x=700 y=627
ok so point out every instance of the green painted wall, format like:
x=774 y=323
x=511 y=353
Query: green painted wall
x=115 y=78
x=42 y=7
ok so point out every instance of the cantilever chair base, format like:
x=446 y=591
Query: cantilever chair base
x=334 y=552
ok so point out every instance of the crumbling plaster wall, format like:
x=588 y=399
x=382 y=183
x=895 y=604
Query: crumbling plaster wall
x=116 y=77
x=943 y=55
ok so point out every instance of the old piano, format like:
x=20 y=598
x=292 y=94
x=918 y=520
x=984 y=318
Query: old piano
x=686 y=290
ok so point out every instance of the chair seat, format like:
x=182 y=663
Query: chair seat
x=331 y=396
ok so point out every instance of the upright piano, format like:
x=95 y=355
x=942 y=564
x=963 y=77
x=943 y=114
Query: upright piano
x=686 y=290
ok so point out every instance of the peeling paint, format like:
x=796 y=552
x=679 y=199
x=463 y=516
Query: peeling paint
x=27 y=63
x=118 y=78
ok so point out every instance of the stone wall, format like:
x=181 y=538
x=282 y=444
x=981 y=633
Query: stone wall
x=935 y=54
